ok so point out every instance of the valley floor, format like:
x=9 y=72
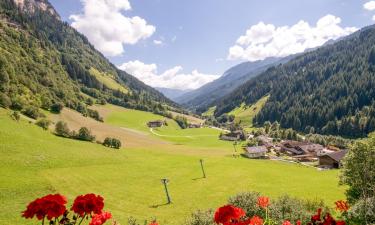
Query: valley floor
x=35 y=162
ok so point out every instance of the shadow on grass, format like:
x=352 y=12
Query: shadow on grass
x=159 y=205
x=198 y=178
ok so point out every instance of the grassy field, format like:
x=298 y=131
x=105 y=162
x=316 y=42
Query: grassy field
x=35 y=163
x=108 y=81
x=245 y=113
x=210 y=111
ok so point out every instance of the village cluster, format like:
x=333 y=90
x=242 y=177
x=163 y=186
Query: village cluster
x=323 y=157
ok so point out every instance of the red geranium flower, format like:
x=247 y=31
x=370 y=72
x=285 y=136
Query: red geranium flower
x=340 y=223
x=256 y=220
x=87 y=204
x=317 y=216
x=298 y=222
x=154 y=223
x=342 y=206
x=228 y=213
x=50 y=206
x=287 y=222
x=263 y=202
x=99 y=219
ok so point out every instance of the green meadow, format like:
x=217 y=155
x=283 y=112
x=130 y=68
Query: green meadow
x=36 y=162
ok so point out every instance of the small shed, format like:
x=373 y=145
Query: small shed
x=156 y=123
x=332 y=160
x=256 y=152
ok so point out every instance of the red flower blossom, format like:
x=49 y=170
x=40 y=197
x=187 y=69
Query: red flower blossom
x=317 y=216
x=340 y=223
x=287 y=222
x=99 y=219
x=256 y=220
x=263 y=202
x=342 y=206
x=298 y=222
x=87 y=204
x=154 y=223
x=228 y=213
x=50 y=206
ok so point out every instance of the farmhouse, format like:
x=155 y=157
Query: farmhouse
x=332 y=160
x=256 y=152
x=233 y=136
x=156 y=123
x=194 y=125
x=266 y=141
x=300 y=148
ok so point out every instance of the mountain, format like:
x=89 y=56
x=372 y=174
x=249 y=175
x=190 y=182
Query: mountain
x=329 y=90
x=171 y=93
x=45 y=61
x=202 y=97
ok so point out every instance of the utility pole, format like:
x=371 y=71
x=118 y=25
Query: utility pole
x=165 y=181
x=204 y=173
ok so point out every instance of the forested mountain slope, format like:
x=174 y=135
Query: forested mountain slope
x=44 y=61
x=232 y=78
x=330 y=90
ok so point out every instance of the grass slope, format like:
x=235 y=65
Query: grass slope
x=210 y=111
x=108 y=81
x=35 y=162
x=244 y=114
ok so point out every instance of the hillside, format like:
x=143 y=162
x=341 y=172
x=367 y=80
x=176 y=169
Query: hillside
x=37 y=163
x=44 y=61
x=202 y=97
x=328 y=90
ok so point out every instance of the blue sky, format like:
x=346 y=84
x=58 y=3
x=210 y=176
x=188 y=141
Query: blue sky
x=184 y=44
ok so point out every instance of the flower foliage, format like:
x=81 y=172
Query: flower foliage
x=231 y=215
x=53 y=208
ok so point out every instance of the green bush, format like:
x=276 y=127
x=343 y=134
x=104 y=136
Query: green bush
x=62 y=129
x=5 y=101
x=16 y=116
x=32 y=112
x=57 y=107
x=181 y=121
x=201 y=218
x=43 y=123
x=84 y=134
x=112 y=143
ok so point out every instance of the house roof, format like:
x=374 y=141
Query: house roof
x=337 y=156
x=256 y=149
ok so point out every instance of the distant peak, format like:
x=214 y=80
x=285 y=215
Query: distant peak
x=31 y=5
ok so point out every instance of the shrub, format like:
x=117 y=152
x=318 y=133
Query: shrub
x=89 y=101
x=95 y=115
x=62 y=129
x=101 y=101
x=84 y=134
x=57 y=107
x=201 y=218
x=181 y=121
x=112 y=143
x=32 y=112
x=5 y=101
x=43 y=123
x=16 y=116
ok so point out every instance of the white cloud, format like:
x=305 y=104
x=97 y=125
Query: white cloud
x=266 y=40
x=373 y=17
x=369 y=5
x=171 y=78
x=107 y=28
x=158 y=42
